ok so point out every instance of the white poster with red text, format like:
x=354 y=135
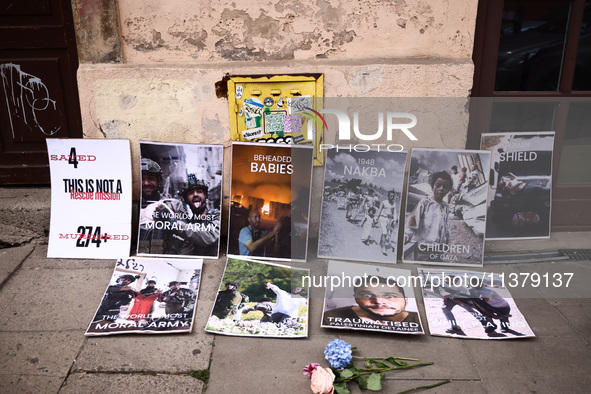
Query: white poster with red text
x=90 y=198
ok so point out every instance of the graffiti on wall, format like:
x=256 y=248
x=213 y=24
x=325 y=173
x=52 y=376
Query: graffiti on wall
x=28 y=101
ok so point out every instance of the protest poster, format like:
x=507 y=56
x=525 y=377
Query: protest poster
x=446 y=207
x=270 y=193
x=370 y=298
x=466 y=304
x=90 y=198
x=180 y=203
x=520 y=191
x=149 y=296
x=361 y=205
x=260 y=299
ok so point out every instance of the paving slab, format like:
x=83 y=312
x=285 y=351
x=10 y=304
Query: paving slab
x=542 y=365
x=130 y=383
x=454 y=387
x=52 y=299
x=579 y=318
x=163 y=353
x=558 y=284
x=39 y=353
x=38 y=259
x=29 y=384
x=11 y=258
x=544 y=319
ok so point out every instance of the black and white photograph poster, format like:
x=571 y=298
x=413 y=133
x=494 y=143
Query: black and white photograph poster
x=520 y=191
x=180 y=205
x=90 y=198
x=445 y=218
x=361 y=205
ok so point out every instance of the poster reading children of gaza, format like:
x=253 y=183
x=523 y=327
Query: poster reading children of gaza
x=261 y=299
x=361 y=205
x=445 y=216
x=370 y=298
x=90 y=198
x=180 y=201
x=519 y=199
x=149 y=296
x=465 y=304
x=270 y=192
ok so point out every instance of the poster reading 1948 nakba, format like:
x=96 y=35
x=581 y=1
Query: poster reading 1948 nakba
x=519 y=195
x=180 y=201
x=471 y=305
x=446 y=207
x=90 y=198
x=270 y=201
x=261 y=299
x=370 y=298
x=361 y=205
x=149 y=296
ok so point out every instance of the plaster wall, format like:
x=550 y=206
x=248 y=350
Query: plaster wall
x=172 y=53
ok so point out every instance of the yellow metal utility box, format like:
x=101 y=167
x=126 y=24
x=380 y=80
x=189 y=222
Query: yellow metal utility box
x=278 y=109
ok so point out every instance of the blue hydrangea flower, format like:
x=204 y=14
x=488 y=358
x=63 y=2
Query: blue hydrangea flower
x=338 y=353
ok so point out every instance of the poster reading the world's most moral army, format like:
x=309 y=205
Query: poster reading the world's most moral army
x=90 y=198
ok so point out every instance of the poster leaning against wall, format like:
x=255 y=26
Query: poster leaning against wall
x=361 y=205
x=90 y=198
x=446 y=207
x=180 y=202
x=520 y=190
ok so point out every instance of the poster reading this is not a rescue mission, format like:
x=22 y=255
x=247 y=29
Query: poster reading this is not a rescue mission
x=90 y=198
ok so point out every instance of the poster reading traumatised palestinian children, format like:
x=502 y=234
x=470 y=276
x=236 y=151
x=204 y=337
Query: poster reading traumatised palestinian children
x=261 y=299
x=270 y=201
x=370 y=298
x=465 y=304
x=361 y=205
x=149 y=296
x=519 y=195
x=445 y=216
x=180 y=202
x=90 y=198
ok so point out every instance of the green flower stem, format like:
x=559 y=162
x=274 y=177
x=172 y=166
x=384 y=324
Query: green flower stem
x=426 y=387
x=393 y=368
x=385 y=358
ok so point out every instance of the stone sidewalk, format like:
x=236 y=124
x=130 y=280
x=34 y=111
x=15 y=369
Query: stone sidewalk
x=47 y=305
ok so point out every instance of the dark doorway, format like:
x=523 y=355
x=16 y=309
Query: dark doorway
x=38 y=90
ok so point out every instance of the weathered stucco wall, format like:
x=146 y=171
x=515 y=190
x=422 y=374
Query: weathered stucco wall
x=174 y=52
x=181 y=31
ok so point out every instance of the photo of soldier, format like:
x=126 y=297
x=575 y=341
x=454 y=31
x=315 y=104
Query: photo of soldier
x=466 y=304
x=135 y=303
x=282 y=306
x=181 y=194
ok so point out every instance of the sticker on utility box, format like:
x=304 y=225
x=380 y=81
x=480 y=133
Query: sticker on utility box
x=299 y=104
x=252 y=108
x=274 y=123
x=251 y=134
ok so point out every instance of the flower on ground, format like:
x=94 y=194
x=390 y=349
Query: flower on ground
x=322 y=381
x=309 y=369
x=338 y=353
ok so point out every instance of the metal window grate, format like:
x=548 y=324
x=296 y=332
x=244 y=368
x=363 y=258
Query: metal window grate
x=576 y=254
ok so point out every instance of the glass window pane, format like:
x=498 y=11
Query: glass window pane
x=512 y=116
x=531 y=45
x=575 y=159
x=582 y=79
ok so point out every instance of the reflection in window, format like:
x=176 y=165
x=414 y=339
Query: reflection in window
x=514 y=116
x=574 y=165
x=582 y=79
x=531 y=46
